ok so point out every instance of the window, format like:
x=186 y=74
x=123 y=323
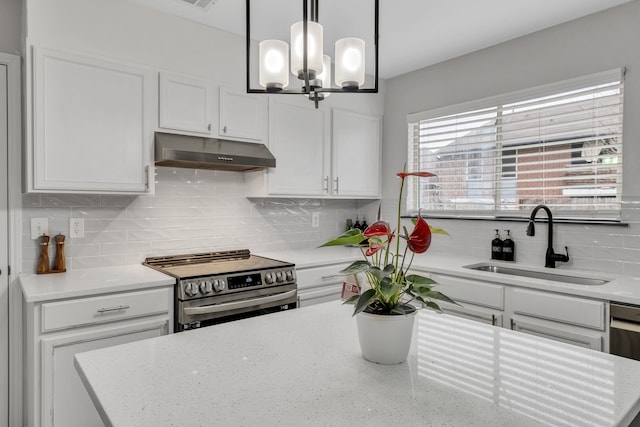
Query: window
x=560 y=145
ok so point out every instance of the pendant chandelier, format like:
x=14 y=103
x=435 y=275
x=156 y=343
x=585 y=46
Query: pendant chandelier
x=305 y=57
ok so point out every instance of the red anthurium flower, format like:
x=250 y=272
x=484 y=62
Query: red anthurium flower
x=420 y=238
x=403 y=175
x=377 y=229
x=373 y=249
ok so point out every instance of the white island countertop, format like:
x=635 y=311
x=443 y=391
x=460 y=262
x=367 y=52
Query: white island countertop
x=303 y=367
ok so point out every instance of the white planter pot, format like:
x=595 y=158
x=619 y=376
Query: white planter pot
x=385 y=339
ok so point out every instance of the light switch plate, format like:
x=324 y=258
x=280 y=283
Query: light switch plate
x=39 y=226
x=315 y=219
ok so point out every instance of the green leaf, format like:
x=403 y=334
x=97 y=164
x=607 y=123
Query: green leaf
x=351 y=237
x=352 y=299
x=436 y=295
x=388 y=270
x=364 y=300
x=399 y=310
x=356 y=267
x=420 y=280
x=388 y=289
x=433 y=305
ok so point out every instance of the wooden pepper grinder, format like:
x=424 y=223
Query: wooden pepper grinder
x=59 y=263
x=43 y=260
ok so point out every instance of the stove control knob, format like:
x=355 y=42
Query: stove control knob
x=206 y=287
x=289 y=274
x=191 y=289
x=219 y=285
x=279 y=276
x=268 y=277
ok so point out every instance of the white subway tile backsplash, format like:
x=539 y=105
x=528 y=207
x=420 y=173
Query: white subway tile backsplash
x=80 y=262
x=191 y=211
x=198 y=211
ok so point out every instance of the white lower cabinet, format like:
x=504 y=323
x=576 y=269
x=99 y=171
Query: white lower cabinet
x=480 y=301
x=558 y=332
x=56 y=331
x=567 y=318
x=319 y=284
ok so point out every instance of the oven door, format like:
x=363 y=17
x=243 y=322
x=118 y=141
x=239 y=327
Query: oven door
x=218 y=309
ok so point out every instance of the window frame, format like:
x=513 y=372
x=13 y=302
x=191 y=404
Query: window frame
x=498 y=102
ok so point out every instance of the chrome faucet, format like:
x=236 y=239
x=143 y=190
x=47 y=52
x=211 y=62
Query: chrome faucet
x=551 y=257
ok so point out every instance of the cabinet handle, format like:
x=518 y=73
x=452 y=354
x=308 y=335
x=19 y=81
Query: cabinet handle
x=146 y=177
x=118 y=308
x=513 y=325
x=493 y=320
x=337 y=184
x=224 y=129
x=209 y=127
x=325 y=187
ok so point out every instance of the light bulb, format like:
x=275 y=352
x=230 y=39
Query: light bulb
x=350 y=62
x=314 y=49
x=274 y=58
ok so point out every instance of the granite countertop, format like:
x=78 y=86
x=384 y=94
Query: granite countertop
x=90 y=281
x=304 y=367
x=94 y=281
x=620 y=288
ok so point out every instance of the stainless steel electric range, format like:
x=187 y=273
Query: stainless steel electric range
x=216 y=287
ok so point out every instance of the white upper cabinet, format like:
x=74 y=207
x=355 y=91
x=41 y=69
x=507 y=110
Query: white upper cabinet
x=299 y=139
x=320 y=157
x=92 y=125
x=186 y=104
x=241 y=115
x=356 y=154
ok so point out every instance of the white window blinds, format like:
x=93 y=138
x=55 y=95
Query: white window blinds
x=560 y=145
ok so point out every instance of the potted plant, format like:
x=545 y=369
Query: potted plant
x=383 y=309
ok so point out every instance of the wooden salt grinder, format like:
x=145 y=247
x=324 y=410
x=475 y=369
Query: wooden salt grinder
x=43 y=260
x=59 y=263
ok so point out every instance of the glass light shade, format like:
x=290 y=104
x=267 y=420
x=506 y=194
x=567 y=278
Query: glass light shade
x=314 y=49
x=325 y=75
x=274 y=64
x=350 y=62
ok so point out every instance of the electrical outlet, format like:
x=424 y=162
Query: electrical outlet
x=76 y=228
x=315 y=219
x=39 y=226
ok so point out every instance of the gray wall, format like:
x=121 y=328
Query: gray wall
x=598 y=42
x=10 y=26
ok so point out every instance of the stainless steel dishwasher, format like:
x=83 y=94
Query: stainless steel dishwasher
x=624 y=336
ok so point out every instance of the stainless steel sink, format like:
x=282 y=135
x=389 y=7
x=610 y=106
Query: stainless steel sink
x=544 y=275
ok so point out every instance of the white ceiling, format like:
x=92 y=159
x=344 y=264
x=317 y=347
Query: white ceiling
x=413 y=33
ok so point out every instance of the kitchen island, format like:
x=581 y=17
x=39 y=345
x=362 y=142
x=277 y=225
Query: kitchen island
x=304 y=367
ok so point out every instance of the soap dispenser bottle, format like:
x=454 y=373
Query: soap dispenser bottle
x=496 y=246
x=508 y=247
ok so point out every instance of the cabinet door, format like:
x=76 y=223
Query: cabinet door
x=559 y=332
x=185 y=104
x=65 y=401
x=299 y=139
x=356 y=154
x=91 y=125
x=478 y=314
x=241 y=115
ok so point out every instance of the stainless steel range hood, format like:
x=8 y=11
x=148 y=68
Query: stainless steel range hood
x=195 y=152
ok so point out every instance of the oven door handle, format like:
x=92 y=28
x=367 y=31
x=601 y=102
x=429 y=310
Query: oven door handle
x=217 y=308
